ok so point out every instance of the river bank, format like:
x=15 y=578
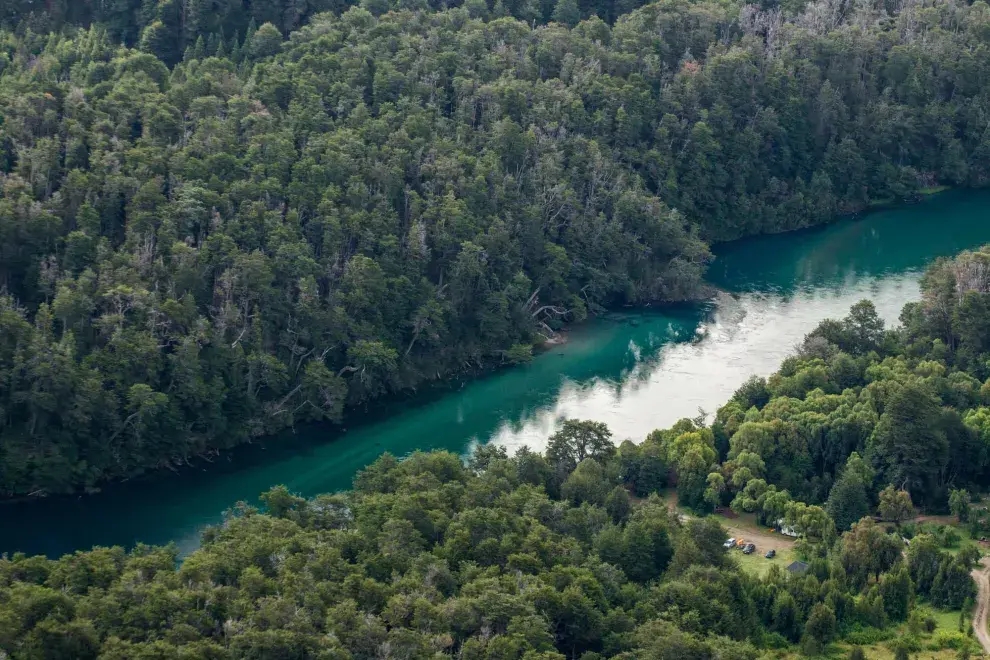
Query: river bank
x=443 y=382
x=636 y=370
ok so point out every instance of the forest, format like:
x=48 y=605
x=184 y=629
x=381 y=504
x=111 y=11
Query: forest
x=579 y=553
x=220 y=220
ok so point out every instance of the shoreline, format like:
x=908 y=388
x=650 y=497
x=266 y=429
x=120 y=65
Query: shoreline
x=439 y=387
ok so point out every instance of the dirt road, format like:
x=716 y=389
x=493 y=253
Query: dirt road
x=982 y=576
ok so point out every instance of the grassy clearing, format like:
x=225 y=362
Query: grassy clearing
x=961 y=530
x=941 y=644
x=946 y=632
x=758 y=565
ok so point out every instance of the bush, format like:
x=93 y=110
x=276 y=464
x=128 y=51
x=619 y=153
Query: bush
x=773 y=640
x=946 y=639
x=519 y=354
x=922 y=620
x=950 y=538
x=868 y=636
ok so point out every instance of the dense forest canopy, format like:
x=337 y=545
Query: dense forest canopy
x=546 y=557
x=174 y=25
x=198 y=248
x=860 y=408
x=573 y=553
x=531 y=557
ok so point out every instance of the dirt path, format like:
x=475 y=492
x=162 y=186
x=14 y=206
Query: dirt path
x=982 y=576
x=939 y=520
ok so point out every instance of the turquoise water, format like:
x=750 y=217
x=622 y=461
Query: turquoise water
x=636 y=371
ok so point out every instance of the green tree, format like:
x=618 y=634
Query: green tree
x=895 y=505
x=898 y=592
x=266 y=41
x=908 y=440
x=587 y=483
x=578 y=440
x=923 y=561
x=618 y=504
x=867 y=550
x=567 y=12
x=959 y=504
x=848 y=500
x=819 y=630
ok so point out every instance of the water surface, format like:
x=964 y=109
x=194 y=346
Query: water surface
x=635 y=371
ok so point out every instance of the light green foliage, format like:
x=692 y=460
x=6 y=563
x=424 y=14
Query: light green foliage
x=895 y=505
x=867 y=550
x=959 y=504
x=693 y=454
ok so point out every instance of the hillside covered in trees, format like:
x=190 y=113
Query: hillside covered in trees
x=861 y=419
x=515 y=558
x=207 y=240
x=572 y=553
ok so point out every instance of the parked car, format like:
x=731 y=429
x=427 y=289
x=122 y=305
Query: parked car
x=731 y=543
x=748 y=549
x=771 y=553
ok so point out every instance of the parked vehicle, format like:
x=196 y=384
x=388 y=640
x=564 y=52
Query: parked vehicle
x=771 y=553
x=748 y=549
x=731 y=543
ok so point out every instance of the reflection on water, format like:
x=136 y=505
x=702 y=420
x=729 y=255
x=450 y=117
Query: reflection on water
x=748 y=334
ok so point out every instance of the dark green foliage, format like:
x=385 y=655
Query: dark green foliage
x=753 y=393
x=902 y=410
x=848 y=501
x=908 y=441
x=226 y=232
x=953 y=585
x=567 y=12
x=867 y=550
x=643 y=467
x=859 y=333
x=819 y=629
x=579 y=440
x=897 y=592
x=499 y=571
x=618 y=504
x=235 y=228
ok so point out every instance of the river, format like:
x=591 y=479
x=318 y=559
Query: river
x=635 y=371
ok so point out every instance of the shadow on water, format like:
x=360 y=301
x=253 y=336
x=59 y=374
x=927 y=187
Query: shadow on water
x=634 y=370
